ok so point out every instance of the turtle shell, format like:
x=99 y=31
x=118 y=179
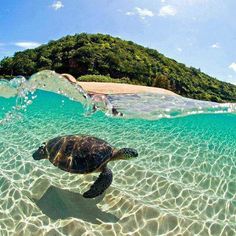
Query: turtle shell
x=78 y=153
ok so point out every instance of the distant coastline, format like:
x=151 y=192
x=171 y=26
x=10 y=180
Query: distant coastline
x=103 y=58
x=116 y=88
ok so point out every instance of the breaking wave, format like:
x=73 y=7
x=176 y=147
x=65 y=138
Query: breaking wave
x=145 y=106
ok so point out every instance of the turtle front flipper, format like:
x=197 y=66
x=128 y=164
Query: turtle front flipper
x=103 y=181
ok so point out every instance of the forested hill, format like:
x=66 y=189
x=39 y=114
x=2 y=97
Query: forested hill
x=99 y=54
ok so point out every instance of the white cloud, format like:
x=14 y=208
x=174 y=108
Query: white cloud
x=215 y=45
x=233 y=66
x=57 y=5
x=129 y=13
x=141 y=12
x=27 y=45
x=167 y=10
x=179 y=49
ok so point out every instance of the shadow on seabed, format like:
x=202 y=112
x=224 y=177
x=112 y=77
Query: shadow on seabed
x=57 y=204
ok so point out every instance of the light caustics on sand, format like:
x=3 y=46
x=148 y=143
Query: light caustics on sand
x=182 y=183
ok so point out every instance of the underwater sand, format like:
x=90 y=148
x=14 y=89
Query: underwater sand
x=182 y=183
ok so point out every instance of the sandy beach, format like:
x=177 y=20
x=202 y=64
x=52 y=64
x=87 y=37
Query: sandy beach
x=116 y=88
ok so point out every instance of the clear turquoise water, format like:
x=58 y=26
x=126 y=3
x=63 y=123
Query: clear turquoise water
x=182 y=183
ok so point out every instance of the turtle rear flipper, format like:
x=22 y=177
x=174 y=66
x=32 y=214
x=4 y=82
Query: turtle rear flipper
x=103 y=181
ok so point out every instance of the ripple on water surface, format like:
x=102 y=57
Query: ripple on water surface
x=183 y=182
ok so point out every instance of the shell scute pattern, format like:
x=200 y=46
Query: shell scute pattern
x=54 y=147
x=79 y=154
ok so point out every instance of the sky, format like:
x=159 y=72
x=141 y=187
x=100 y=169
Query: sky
x=198 y=33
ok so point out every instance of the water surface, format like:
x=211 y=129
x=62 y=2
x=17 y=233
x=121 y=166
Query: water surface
x=182 y=183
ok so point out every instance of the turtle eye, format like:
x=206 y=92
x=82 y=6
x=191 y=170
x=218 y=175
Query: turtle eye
x=43 y=145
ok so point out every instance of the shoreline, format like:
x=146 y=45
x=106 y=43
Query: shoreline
x=116 y=88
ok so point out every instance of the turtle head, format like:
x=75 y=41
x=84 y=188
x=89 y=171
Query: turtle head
x=41 y=153
x=125 y=153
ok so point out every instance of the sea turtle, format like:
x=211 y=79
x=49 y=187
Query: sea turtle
x=83 y=154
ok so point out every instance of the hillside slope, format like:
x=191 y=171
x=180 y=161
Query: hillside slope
x=99 y=54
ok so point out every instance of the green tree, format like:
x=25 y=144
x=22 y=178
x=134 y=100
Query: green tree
x=100 y=54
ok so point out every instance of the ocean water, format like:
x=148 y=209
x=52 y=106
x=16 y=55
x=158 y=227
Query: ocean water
x=182 y=183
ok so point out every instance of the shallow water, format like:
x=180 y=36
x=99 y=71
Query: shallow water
x=182 y=183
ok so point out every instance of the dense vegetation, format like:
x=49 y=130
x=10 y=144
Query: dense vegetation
x=99 y=54
x=102 y=78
